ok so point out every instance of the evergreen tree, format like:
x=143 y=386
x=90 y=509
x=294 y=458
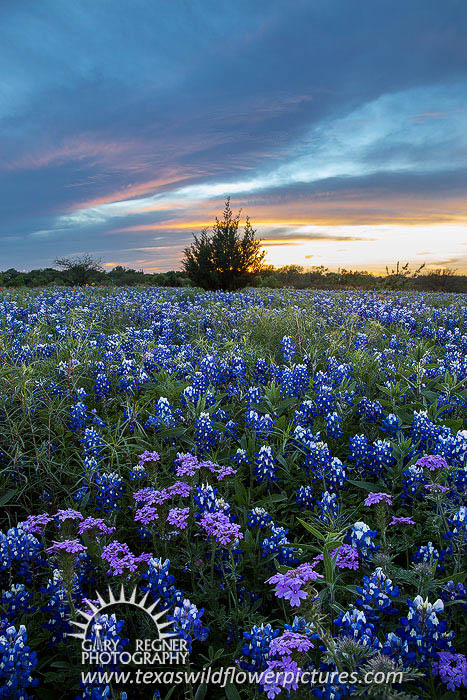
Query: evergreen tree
x=224 y=258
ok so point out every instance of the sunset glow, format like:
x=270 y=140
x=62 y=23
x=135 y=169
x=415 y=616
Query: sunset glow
x=340 y=157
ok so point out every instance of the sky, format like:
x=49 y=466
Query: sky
x=338 y=126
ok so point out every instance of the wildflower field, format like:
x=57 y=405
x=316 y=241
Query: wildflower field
x=282 y=471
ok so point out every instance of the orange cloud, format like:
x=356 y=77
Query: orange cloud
x=76 y=148
x=149 y=187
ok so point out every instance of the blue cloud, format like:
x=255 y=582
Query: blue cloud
x=110 y=108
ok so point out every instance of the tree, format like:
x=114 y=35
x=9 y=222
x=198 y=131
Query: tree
x=81 y=269
x=224 y=258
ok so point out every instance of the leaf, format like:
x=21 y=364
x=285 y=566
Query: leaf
x=7 y=496
x=147 y=386
x=241 y=493
x=61 y=664
x=454 y=424
x=201 y=692
x=328 y=566
x=311 y=528
x=231 y=692
x=365 y=485
x=276 y=497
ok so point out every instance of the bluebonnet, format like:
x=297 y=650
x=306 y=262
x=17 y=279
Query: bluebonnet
x=304 y=497
x=131 y=377
x=413 y=482
x=371 y=459
x=328 y=506
x=256 y=646
x=17 y=601
x=358 y=450
x=452 y=447
x=18 y=547
x=186 y=619
x=451 y=592
x=137 y=473
x=102 y=385
x=347 y=396
x=277 y=544
x=261 y=424
x=325 y=401
x=354 y=624
x=304 y=414
x=423 y=631
x=294 y=381
x=334 y=474
x=57 y=605
x=333 y=425
x=428 y=554
x=369 y=410
x=96 y=420
x=160 y=583
x=288 y=349
x=426 y=432
x=391 y=425
x=254 y=394
x=23 y=356
x=131 y=418
x=206 y=436
x=361 y=537
x=108 y=628
x=205 y=497
x=17 y=663
x=93 y=443
x=361 y=341
x=241 y=457
x=318 y=458
x=381 y=456
x=258 y=517
x=265 y=466
x=109 y=490
x=262 y=375
x=232 y=430
x=78 y=416
x=210 y=369
x=164 y=415
x=376 y=595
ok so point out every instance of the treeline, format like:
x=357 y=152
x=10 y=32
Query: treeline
x=442 y=280
x=288 y=276
x=70 y=277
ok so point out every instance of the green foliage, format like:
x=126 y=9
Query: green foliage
x=399 y=278
x=79 y=270
x=223 y=259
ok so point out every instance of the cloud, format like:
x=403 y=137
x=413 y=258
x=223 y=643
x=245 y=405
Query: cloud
x=447 y=261
x=295 y=239
x=104 y=147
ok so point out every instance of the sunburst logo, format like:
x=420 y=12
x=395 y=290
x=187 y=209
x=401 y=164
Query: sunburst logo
x=98 y=607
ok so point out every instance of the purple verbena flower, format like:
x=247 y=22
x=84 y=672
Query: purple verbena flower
x=219 y=526
x=68 y=514
x=146 y=515
x=148 y=457
x=178 y=517
x=452 y=669
x=432 y=462
x=96 y=524
x=374 y=498
x=35 y=523
x=69 y=546
x=402 y=521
